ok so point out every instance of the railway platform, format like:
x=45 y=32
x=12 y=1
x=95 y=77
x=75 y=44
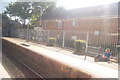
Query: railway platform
x=3 y=72
x=67 y=58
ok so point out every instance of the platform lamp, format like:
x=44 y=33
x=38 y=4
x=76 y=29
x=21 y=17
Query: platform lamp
x=41 y=13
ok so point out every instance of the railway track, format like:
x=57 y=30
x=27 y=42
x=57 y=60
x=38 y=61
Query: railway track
x=18 y=69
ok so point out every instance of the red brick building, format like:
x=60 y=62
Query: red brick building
x=102 y=18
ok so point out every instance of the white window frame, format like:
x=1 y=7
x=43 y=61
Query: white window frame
x=59 y=24
x=75 y=23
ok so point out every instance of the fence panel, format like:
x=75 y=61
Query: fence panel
x=66 y=39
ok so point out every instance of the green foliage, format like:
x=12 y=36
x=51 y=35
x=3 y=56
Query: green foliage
x=6 y=20
x=19 y=9
x=52 y=41
x=54 y=12
x=40 y=8
x=31 y=11
x=79 y=45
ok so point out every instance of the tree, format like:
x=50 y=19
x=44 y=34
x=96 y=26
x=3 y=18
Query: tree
x=7 y=24
x=40 y=8
x=5 y=20
x=19 y=10
x=29 y=11
x=57 y=12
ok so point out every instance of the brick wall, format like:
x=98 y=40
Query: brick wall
x=105 y=24
x=102 y=17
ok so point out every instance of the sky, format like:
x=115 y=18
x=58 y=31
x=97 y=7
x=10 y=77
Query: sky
x=68 y=4
x=3 y=4
x=71 y=4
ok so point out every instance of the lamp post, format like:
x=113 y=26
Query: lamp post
x=41 y=13
x=18 y=28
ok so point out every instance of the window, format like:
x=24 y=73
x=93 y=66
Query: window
x=59 y=24
x=75 y=23
x=96 y=32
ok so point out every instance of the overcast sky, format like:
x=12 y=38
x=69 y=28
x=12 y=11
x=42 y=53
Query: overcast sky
x=71 y=4
x=68 y=4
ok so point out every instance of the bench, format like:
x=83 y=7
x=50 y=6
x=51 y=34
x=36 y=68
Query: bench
x=93 y=51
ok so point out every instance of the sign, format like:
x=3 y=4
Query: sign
x=74 y=37
x=96 y=32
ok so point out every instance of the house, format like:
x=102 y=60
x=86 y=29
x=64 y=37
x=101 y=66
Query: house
x=100 y=19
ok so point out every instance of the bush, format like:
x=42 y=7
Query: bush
x=33 y=38
x=80 y=45
x=52 y=41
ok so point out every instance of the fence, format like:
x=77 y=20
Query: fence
x=65 y=39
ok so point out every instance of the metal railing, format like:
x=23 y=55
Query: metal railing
x=65 y=39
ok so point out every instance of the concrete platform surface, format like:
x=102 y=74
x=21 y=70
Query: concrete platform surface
x=96 y=70
x=3 y=72
x=112 y=65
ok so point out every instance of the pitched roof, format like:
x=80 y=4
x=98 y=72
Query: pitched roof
x=95 y=11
